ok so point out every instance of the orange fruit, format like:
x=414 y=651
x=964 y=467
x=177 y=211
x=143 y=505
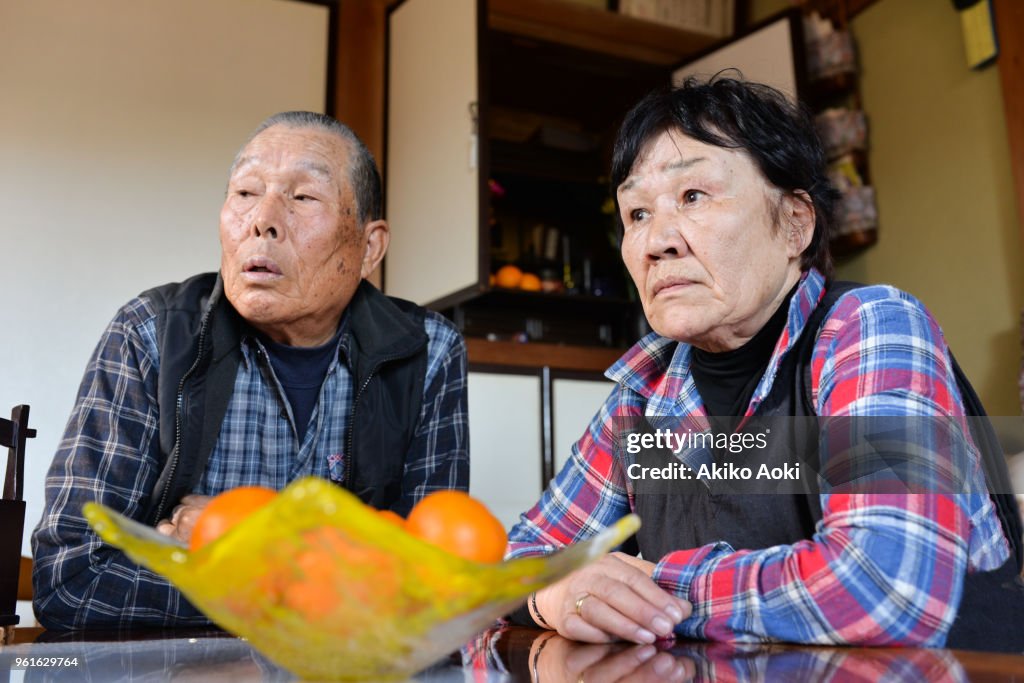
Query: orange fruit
x=508 y=276
x=392 y=517
x=530 y=283
x=460 y=524
x=226 y=510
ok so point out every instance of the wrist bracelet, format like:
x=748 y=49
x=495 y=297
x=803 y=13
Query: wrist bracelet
x=536 y=611
x=536 y=657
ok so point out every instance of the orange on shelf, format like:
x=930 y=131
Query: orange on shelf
x=530 y=283
x=508 y=276
x=458 y=523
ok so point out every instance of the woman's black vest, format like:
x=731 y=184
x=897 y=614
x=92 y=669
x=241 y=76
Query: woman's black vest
x=991 y=614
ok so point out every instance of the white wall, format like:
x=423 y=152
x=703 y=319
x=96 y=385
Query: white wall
x=118 y=121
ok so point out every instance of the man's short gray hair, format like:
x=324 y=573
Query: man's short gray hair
x=362 y=169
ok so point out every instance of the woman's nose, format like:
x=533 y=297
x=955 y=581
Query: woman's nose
x=665 y=238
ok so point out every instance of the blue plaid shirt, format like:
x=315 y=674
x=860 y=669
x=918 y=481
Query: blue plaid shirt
x=110 y=453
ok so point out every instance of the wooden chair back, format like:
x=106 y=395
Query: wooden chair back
x=13 y=434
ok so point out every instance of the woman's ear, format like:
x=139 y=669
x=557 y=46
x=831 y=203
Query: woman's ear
x=798 y=220
x=377 y=236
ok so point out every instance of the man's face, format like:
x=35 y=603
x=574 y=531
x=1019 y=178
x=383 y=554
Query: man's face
x=701 y=244
x=291 y=245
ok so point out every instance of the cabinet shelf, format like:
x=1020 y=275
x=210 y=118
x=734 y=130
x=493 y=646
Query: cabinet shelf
x=543 y=301
x=538 y=161
x=576 y=320
x=535 y=355
x=597 y=30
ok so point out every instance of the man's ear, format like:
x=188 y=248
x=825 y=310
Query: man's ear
x=798 y=221
x=377 y=236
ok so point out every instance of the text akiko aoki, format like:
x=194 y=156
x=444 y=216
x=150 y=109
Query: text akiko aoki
x=714 y=471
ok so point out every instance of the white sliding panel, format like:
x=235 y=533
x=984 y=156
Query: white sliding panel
x=432 y=171
x=504 y=442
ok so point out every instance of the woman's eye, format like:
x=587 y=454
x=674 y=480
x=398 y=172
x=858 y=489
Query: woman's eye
x=637 y=215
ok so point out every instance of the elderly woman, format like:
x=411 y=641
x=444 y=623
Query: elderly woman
x=725 y=205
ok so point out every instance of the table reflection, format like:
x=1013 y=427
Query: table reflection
x=502 y=655
x=526 y=655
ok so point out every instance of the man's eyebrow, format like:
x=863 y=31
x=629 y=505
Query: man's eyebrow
x=678 y=165
x=305 y=165
x=316 y=168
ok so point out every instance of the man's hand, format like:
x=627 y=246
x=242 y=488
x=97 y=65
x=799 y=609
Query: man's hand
x=183 y=517
x=612 y=599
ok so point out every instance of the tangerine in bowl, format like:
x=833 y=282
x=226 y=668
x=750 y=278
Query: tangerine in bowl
x=331 y=589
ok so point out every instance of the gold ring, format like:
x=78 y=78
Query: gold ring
x=579 y=604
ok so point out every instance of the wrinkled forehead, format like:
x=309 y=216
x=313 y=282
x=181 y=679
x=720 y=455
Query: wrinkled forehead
x=672 y=152
x=319 y=152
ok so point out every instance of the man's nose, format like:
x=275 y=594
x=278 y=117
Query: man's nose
x=268 y=217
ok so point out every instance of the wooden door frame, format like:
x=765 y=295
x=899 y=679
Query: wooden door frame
x=1009 y=17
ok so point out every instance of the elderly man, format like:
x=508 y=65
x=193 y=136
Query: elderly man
x=725 y=206
x=284 y=364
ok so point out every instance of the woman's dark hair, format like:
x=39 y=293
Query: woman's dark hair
x=777 y=134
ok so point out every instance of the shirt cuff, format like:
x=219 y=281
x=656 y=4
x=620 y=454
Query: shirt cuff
x=676 y=571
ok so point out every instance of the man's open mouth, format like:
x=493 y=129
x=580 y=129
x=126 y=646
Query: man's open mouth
x=260 y=264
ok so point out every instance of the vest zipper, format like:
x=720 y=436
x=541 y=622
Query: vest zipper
x=179 y=401
x=349 y=454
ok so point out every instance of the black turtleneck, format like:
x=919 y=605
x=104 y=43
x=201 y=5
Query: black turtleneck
x=726 y=381
x=301 y=372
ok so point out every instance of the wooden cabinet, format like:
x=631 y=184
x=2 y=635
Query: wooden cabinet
x=500 y=118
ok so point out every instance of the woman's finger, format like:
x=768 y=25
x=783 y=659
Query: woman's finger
x=598 y=613
x=632 y=596
x=618 y=665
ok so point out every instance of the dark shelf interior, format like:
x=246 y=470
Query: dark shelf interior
x=553 y=112
x=582 y=320
x=590 y=88
x=537 y=160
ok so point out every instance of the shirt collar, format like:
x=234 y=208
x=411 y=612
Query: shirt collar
x=658 y=368
x=251 y=343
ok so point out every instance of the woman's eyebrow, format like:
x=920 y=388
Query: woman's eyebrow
x=684 y=164
x=674 y=166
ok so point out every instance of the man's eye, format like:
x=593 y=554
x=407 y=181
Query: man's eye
x=691 y=196
x=637 y=215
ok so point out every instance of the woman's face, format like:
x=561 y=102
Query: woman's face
x=712 y=247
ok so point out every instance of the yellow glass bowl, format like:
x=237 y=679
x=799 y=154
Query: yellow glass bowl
x=330 y=590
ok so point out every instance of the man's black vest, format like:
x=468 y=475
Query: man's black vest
x=992 y=608
x=199 y=336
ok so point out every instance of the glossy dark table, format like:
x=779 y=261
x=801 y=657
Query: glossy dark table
x=500 y=655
